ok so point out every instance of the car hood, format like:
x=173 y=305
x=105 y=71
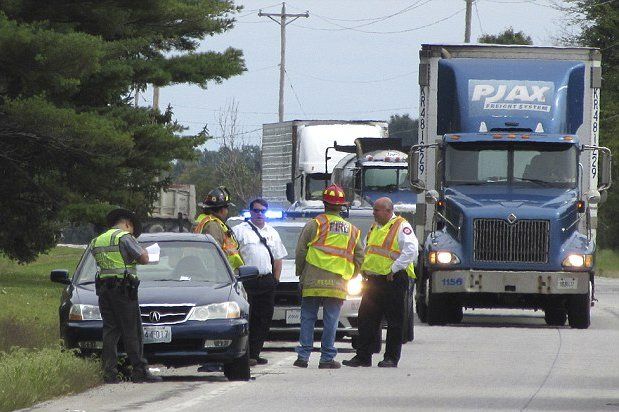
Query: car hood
x=197 y=293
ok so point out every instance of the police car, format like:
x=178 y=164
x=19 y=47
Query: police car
x=287 y=313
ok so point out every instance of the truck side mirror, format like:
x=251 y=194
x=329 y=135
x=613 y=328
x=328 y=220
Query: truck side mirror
x=290 y=192
x=604 y=169
x=417 y=184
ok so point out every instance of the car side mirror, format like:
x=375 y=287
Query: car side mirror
x=417 y=184
x=290 y=192
x=60 y=276
x=246 y=273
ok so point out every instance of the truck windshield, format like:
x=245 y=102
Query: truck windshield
x=315 y=184
x=518 y=164
x=387 y=179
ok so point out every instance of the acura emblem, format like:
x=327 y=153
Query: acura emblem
x=154 y=316
x=511 y=218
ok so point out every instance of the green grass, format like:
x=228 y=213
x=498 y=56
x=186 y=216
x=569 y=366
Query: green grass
x=608 y=263
x=33 y=367
x=31 y=376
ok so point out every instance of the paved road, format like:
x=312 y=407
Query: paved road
x=495 y=360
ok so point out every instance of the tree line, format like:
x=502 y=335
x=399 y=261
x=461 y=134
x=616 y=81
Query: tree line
x=74 y=144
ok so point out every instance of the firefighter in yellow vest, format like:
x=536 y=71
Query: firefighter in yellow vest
x=390 y=251
x=216 y=213
x=328 y=255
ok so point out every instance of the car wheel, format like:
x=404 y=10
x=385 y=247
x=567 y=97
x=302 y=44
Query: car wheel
x=238 y=370
x=579 y=311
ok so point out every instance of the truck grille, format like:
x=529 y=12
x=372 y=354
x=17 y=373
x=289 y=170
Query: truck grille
x=167 y=314
x=496 y=240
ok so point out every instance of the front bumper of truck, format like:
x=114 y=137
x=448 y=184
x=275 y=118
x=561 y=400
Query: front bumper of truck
x=523 y=282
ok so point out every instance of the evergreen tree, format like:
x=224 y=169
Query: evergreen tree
x=402 y=126
x=508 y=36
x=72 y=142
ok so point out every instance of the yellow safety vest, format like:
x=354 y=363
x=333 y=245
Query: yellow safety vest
x=230 y=246
x=106 y=250
x=382 y=249
x=333 y=250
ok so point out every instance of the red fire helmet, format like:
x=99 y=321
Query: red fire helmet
x=334 y=195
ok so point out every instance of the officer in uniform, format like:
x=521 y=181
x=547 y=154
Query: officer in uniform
x=328 y=255
x=390 y=251
x=216 y=213
x=116 y=252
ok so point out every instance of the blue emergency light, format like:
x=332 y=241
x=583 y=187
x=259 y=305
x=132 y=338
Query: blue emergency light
x=270 y=214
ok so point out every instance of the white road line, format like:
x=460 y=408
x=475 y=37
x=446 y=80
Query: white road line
x=161 y=405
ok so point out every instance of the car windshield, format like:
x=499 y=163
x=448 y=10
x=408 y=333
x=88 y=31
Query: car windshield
x=387 y=179
x=481 y=163
x=179 y=261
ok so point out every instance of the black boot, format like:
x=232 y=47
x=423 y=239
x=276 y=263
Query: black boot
x=143 y=375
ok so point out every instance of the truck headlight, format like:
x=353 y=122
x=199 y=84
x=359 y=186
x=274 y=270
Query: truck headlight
x=226 y=310
x=577 y=261
x=443 y=257
x=354 y=286
x=84 y=312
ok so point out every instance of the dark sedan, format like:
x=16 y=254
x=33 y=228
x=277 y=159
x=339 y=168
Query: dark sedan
x=194 y=310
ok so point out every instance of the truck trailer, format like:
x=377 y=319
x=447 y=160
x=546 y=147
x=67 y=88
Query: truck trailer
x=298 y=157
x=509 y=174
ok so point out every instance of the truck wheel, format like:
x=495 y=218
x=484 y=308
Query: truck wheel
x=579 y=311
x=455 y=313
x=437 y=309
x=421 y=305
x=555 y=316
x=238 y=370
x=408 y=331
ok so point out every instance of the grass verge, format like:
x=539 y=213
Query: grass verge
x=608 y=263
x=30 y=376
x=33 y=367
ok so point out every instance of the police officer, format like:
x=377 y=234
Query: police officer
x=391 y=248
x=328 y=255
x=216 y=213
x=116 y=252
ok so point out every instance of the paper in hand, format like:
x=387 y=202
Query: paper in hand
x=153 y=253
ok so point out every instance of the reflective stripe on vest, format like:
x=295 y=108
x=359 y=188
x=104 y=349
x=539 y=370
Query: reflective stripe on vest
x=230 y=246
x=333 y=251
x=383 y=249
x=106 y=250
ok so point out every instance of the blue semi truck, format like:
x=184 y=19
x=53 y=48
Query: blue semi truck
x=509 y=175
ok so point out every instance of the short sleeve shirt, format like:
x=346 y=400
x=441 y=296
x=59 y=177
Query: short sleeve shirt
x=253 y=251
x=130 y=249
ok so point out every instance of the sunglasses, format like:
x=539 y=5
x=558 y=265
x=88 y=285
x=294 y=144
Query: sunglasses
x=263 y=211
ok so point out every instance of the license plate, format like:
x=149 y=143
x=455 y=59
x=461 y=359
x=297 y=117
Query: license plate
x=157 y=334
x=567 y=283
x=293 y=317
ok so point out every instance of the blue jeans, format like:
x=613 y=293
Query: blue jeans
x=309 y=314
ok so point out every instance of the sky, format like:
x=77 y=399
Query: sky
x=350 y=60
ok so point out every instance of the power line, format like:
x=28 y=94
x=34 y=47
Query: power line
x=381 y=18
x=295 y=95
x=479 y=19
x=387 y=32
x=355 y=81
x=375 y=20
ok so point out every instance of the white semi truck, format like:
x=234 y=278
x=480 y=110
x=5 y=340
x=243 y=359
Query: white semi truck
x=298 y=157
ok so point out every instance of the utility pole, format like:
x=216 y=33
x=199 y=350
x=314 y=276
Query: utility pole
x=155 y=98
x=467 y=25
x=282 y=64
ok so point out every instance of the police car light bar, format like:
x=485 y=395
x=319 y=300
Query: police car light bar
x=270 y=214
